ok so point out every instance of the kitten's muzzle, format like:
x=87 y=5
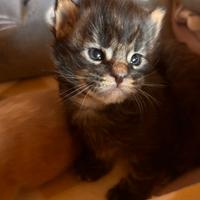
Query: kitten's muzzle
x=119 y=72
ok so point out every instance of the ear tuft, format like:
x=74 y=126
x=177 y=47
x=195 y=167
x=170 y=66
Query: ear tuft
x=66 y=13
x=157 y=17
x=153 y=26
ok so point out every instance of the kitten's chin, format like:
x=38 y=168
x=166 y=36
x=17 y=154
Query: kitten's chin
x=107 y=93
x=113 y=96
x=99 y=101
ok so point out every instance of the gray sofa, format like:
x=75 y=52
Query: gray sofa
x=25 y=39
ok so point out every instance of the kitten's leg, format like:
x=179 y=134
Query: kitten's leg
x=89 y=168
x=131 y=189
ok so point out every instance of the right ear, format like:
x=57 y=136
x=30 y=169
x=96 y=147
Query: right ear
x=66 y=14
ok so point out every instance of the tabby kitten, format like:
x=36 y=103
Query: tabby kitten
x=104 y=52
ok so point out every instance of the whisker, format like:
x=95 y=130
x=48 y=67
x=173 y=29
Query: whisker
x=142 y=101
x=67 y=78
x=150 y=74
x=80 y=92
x=71 y=76
x=67 y=72
x=75 y=78
x=71 y=89
x=154 y=85
x=149 y=97
x=82 y=103
x=74 y=90
x=138 y=103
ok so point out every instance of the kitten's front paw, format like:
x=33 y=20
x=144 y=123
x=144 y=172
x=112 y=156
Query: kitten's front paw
x=91 y=170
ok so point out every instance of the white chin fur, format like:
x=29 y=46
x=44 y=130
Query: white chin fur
x=114 y=96
x=94 y=101
x=108 y=93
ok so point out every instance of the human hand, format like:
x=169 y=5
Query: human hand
x=186 y=25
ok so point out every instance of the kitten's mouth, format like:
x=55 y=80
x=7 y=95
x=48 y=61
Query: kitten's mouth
x=113 y=89
x=110 y=96
x=111 y=92
x=108 y=91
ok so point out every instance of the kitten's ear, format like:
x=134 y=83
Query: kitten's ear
x=157 y=18
x=154 y=25
x=150 y=5
x=66 y=15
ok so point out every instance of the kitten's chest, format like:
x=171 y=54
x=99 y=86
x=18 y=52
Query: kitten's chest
x=106 y=121
x=107 y=132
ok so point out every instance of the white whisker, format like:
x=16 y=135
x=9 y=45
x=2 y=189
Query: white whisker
x=150 y=98
x=138 y=103
x=82 y=103
x=150 y=74
x=77 y=91
x=71 y=77
x=73 y=91
x=80 y=92
x=154 y=85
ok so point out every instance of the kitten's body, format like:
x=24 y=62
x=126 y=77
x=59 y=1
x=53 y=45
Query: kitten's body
x=101 y=102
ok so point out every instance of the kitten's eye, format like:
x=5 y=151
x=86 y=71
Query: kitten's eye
x=96 y=54
x=136 y=59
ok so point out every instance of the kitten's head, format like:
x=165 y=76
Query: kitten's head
x=103 y=49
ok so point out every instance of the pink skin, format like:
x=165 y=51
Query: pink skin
x=186 y=26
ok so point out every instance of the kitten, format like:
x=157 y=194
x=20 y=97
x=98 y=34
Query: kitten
x=104 y=53
x=182 y=68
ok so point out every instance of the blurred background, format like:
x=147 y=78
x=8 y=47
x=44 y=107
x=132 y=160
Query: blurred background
x=25 y=39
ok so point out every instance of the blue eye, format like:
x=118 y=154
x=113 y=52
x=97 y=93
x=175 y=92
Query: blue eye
x=96 y=54
x=136 y=59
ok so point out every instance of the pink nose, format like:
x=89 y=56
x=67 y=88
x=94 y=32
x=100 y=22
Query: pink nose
x=118 y=79
x=119 y=72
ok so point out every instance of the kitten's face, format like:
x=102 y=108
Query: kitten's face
x=106 y=55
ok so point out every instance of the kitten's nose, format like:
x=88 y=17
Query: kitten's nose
x=119 y=72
